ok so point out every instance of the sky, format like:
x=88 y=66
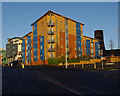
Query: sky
x=17 y=17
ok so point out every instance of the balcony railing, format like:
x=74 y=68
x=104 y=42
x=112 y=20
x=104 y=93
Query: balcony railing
x=51 y=23
x=51 y=32
x=51 y=49
x=51 y=41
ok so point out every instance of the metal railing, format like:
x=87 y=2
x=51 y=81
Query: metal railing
x=51 y=32
x=51 y=49
x=51 y=22
x=51 y=41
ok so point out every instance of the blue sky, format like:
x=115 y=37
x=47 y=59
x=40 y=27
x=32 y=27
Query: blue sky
x=17 y=17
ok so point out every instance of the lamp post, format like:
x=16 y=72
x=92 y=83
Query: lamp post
x=102 y=57
x=66 y=59
x=66 y=38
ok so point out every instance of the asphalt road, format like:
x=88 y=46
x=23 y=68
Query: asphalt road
x=53 y=80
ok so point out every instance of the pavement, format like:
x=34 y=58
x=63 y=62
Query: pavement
x=55 y=80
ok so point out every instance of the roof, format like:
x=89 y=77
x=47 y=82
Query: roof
x=14 y=38
x=90 y=37
x=56 y=14
x=26 y=34
x=113 y=50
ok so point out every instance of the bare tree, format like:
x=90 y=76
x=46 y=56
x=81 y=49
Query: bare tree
x=111 y=44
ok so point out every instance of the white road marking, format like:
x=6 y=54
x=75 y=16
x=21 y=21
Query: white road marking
x=44 y=76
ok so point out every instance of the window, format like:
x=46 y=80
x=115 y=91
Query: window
x=79 y=42
x=75 y=41
x=61 y=38
x=92 y=50
x=42 y=23
x=41 y=40
x=84 y=42
x=79 y=34
x=75 y=48
x=40 y=55
x=98 y=46
x=79 y=48
x=91 y=44
x=42 y=31
x=61 y=23
x=61 y=54
x=74 y=34
x=13 y=52
x=84 y=49
x=74 y=27
x=79 y=55
x=61 y=46
x=53 y=55
x=34 y=49
x=41 y=47
x=61 y=30
x=51 y=46
x=81 y=38
x=75 y=56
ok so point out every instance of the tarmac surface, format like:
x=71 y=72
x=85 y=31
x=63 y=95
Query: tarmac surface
x=56 y=80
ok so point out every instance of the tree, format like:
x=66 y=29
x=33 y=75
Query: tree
x=62 y=59
x=111 y=44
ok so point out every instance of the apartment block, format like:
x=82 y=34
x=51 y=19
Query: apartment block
x=54 y=35
x=13 y=49
x=1 y=55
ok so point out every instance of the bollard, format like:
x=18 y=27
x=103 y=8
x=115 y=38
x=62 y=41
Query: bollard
x=74 y=65
x=82 y=65
x=94 y=66
x=22 y=65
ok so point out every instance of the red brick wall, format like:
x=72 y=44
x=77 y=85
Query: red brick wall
x=62 y=42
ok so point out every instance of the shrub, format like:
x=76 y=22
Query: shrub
x=73 y=60
x=53 y=60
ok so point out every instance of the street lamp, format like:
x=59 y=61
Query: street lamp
x=101 y=51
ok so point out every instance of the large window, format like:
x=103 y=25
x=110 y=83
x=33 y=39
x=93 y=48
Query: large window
x=84 y=43
x=84 y=49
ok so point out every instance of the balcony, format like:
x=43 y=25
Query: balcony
x=51 y=41
x=51 y=23
x=51 y=32
x=51 y=49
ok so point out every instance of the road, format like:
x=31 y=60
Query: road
x=54 y=80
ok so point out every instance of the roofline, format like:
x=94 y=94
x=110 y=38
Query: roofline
x=56 y=14
x=26 y=34
x=113 y=50
x=15 y=38
x=91 y=38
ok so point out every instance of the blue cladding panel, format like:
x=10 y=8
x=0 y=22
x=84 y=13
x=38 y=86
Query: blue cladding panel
x=29 y=47
x=78 y=35
x=88 y=47
x=97 y=49
x=35 y=41
x=23 y=50
x=42 y=50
